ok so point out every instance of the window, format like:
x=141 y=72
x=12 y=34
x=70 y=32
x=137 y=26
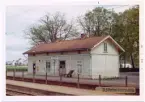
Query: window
x=62 y=64
x=79 y=66
x=105 y=47
x=48 y=66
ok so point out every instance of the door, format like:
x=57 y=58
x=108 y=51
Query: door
x=62 y=67
x=34 y=68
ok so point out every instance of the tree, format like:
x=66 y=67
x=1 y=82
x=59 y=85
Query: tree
x=123 y=27
x=51 y=28
x=97 y=22
x=126 y=32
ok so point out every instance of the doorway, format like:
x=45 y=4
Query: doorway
x=34 y=68
x=62 y=67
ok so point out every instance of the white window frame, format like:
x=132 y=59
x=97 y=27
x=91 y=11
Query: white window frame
x=105 y=47
x=79 y=66
x=48 y=69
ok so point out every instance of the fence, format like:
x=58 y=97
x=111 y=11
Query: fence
x=16 y=69
x=99 y=82
x=129 y=69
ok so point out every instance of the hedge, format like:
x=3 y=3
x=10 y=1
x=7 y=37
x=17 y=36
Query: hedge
x=16 y=68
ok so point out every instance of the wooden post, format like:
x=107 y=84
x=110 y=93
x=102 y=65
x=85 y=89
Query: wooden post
x=46 y=78
x=23 y=75
x=78 y=84
x=60 y=79
x=33 y=77
x=100 y=80
x=14 y=74
x=126 y=81
x=54 y=66
x=60 y=74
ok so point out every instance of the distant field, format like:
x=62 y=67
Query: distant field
x=18 y=68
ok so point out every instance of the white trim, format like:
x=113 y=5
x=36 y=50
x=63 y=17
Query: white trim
x=117 y=44
x=105 y=39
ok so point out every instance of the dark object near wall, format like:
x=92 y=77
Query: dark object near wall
x=128 y=69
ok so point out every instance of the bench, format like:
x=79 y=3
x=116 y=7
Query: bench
x=69 y=73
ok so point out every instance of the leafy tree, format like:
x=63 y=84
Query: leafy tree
x=123 y=27
x=126 y=32
x=97 y=22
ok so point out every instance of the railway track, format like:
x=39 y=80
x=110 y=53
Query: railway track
x=12 y=90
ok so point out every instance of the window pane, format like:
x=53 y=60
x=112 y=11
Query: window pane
x=105 y=47
x=48 y=66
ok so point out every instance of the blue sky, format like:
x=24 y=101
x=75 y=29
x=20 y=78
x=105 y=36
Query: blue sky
x=20 y=18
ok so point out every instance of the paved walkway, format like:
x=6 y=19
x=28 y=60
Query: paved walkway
x=59 y=89
x=133 y=81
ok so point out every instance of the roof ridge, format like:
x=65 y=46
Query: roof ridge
x=77 y=39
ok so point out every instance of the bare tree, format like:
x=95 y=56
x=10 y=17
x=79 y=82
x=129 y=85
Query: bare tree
x=51 y=28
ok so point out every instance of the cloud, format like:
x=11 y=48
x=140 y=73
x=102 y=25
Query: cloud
x=15 y=46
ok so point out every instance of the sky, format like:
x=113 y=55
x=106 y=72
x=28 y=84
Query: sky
x=20 y=18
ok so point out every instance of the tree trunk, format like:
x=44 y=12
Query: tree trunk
x=132 y=61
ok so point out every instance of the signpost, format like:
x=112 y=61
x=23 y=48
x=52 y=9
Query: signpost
x=34 y=77
x=78 y=85
x=100 y=80
x=126 y=81
x=23 y=75
x=46 y=76
x=14 y=74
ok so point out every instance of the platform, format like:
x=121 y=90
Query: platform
x=59 y=89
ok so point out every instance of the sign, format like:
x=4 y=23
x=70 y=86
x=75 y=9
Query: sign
x=116 y=89
x=54 y=58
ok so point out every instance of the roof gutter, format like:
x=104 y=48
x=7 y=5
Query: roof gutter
x=39 y=52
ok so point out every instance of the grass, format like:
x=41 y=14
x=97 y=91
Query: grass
x=17 y=68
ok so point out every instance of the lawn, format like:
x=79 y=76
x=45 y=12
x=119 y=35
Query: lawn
x=18 y=68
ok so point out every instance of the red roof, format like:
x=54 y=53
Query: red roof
x=67 y=45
